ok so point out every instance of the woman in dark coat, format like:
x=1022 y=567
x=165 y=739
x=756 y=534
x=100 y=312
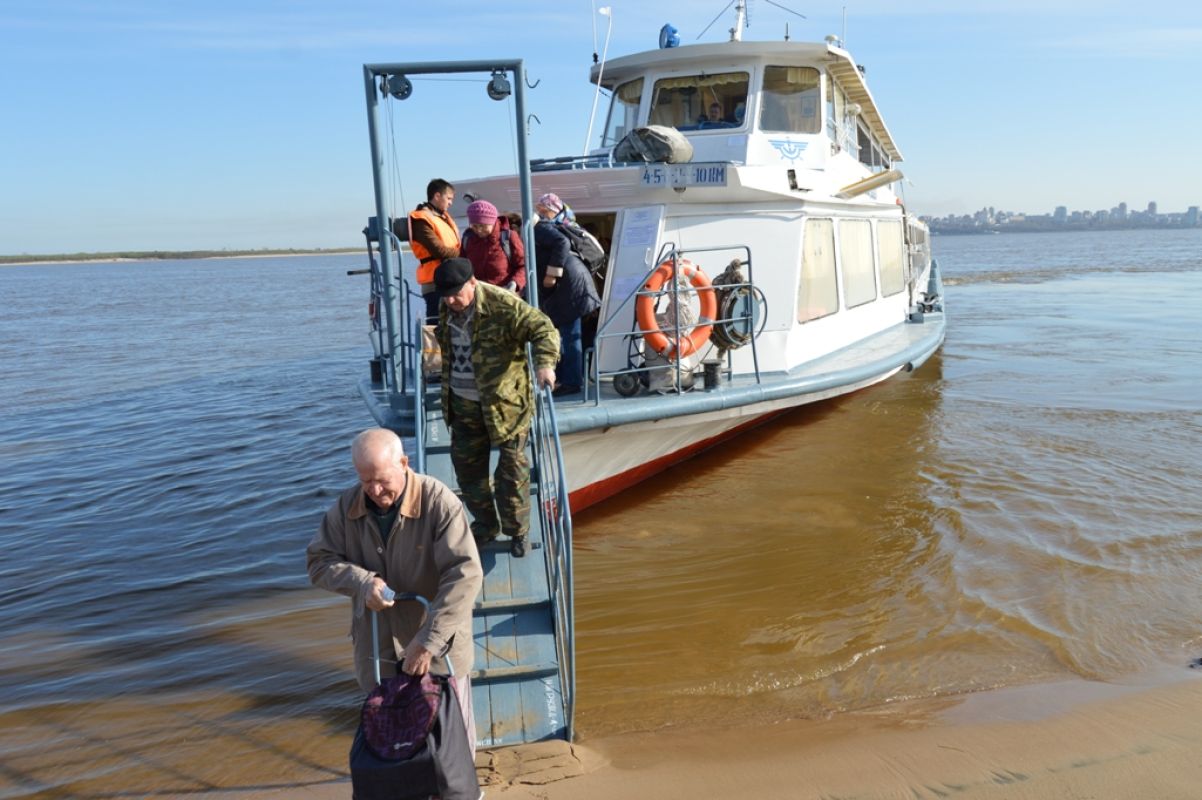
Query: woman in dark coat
x=566 y=292
x=496 y=251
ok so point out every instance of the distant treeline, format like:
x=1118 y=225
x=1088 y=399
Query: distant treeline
x=165 y=255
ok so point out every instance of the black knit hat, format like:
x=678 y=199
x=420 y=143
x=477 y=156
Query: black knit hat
x=451 y=275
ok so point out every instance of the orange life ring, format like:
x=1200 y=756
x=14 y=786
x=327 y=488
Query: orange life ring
x=668 y=343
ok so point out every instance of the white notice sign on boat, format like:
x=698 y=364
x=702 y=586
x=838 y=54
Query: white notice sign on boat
x=699 y=174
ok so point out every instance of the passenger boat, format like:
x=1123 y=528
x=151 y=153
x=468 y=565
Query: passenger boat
x=778 y=266
x=760 y=261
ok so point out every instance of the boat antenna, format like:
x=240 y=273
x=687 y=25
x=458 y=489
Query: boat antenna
x=715 y=19
x=843 y=38
x=594 y=31
x=794 y=13
x=608 y=13
x=743 y=18
x=736 y=33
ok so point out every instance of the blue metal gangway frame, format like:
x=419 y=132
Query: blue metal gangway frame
x=400 y=339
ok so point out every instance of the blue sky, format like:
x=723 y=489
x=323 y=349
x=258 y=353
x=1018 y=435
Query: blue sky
x=140 y=124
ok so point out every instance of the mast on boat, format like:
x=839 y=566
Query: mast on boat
x=736 y=33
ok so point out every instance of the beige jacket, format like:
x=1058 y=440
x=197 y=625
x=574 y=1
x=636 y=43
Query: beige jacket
x=430 y=551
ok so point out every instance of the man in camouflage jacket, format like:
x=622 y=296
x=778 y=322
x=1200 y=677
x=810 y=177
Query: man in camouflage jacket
x=487 y=397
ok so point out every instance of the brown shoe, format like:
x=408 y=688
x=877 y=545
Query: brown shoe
x=517 y=547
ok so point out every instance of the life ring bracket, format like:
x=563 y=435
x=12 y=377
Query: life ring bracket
x=675 y=343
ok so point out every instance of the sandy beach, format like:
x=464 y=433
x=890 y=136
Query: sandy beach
x=1073 y=739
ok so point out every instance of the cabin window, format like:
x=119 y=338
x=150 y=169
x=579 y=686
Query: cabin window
x=700 y=102
x=623 y=112
x=790 y=100
x=840 y=124
x=871 y=153
x=817 y=294
x=918 y=248
x=868 y=156
x=893 y=261
x=831 y=119
x=855 y=258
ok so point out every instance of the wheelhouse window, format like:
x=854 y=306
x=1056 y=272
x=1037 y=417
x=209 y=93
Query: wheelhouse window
x=817 y=294
x=623 y=112
x=790 y=100
x=871 y=154
x=840 y=122
x=855 y=257
x=893 y=259
x=700 y=102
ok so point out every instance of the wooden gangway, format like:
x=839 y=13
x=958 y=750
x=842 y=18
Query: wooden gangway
x=522 y=684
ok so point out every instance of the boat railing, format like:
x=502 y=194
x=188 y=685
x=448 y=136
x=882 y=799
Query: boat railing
x=417 y=368
x=596 y=161
x=555 y=518
x=410 y=335
x=399 y=359
x=412 y=344
x=571 y=162
x=750 y=319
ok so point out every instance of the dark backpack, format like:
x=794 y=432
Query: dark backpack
x=584 y=245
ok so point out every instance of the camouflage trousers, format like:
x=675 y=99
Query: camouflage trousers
x=499 y=505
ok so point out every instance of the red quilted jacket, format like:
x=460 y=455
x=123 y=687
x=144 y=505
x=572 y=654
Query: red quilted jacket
x=489 y=263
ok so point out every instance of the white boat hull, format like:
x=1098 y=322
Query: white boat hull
x=600 y=462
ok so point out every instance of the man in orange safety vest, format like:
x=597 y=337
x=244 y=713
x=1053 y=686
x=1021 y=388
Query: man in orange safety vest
x=433 y=238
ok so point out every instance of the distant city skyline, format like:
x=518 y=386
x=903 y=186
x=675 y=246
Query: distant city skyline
x=1120 y=216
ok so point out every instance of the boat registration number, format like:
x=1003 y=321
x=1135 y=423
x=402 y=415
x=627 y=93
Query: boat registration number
x=699 y=174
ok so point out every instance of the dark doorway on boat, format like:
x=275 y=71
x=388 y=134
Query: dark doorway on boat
x=601 y=226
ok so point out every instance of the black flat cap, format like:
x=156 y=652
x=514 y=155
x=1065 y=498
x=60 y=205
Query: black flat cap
x=451 y=275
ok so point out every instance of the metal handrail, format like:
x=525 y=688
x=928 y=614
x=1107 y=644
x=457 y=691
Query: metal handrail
x=419 y=396
x=397 y=597
x=397 y=350
x=555 y=521
x=570 y=162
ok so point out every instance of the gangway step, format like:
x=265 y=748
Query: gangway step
x=533 y=487
x=518 y=671
x=510 y=604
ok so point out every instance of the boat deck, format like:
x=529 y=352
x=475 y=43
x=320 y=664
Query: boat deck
x=903 y=346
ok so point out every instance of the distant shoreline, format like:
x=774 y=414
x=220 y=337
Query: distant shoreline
x=162 y=255
x=938 y=229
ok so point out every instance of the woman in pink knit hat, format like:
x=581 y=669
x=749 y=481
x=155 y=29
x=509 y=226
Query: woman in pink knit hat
x=549 y=206
x=566 y=290
x=496 y=252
